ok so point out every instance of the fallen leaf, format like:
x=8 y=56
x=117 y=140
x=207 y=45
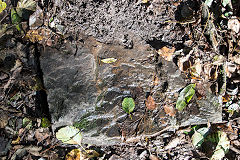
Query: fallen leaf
x=153 y=157
x=222 y=146
x=109 y=60
x=74 y=154
x=34 y=36
x=69 y=135
x=185 y=96
x=226 y=2
x=199 y=136
x=17 y=141
x=208 y=2
x=150 y=103
x=226 y=98
x=77 y=154
x=173 y=143
x=233 y=108
x=184 y=63
x=230 y=69
x=196 y=69
x=27 y=123
x=3 y=5
x=145 y=1
x=24 y=5
x=166 y=53
x=169 y=110
x=41 y=134
x=156 y=81
x=234 y=25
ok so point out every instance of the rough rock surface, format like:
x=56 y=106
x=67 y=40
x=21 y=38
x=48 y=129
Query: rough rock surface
x=87 y=93
x=120 y=21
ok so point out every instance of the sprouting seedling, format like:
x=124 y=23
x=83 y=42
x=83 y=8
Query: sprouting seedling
x=128 y=105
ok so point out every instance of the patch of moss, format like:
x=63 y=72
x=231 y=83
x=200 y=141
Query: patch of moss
x=45 y=123
x=83 y=124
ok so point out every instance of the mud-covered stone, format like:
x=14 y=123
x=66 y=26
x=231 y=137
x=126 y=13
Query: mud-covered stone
x=87 y=93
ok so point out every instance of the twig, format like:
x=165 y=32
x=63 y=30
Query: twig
x=3 y=18
x=50 y=148
x=205 y=25
x=142 y=137
x=158 y=133
x=235 y=149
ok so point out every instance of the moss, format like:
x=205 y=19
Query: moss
x=45 y=123
x=83 y=124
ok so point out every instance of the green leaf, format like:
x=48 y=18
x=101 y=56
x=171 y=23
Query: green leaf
x=222 y=146
x=199 y=136
x=109 y=60
x=3 y=5
x=181 y=104
x=24 y=6
x=15 y=17
x=69 y=135
x=128 y=105
x=185 y=96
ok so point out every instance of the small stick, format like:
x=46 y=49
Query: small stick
x=235 y=149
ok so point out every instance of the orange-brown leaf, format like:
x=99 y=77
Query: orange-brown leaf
x=169 y=110
x=156 y=81
x=166 y=53
x=150 y=103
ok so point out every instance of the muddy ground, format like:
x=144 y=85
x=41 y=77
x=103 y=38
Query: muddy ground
x=185 y=37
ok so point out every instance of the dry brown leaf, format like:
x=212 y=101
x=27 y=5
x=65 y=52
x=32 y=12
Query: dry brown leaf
x=166 y=53
x=226 y=98
x=236 y=59
x=184 y=63
x=156 y=81
x=34 y=36
x=169 y=110
x=17 y=141
x=150 y=103
x=73 y=154
x=153 y=157
x=43 y=36
x=41 y=134
x=173 y=143
x=230 y=69
x=196 y=69
x=77 y=154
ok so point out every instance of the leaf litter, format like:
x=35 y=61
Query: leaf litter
x=197 y=68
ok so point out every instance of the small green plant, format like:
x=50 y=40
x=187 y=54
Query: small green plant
x=185 y=96
x=128 y=105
